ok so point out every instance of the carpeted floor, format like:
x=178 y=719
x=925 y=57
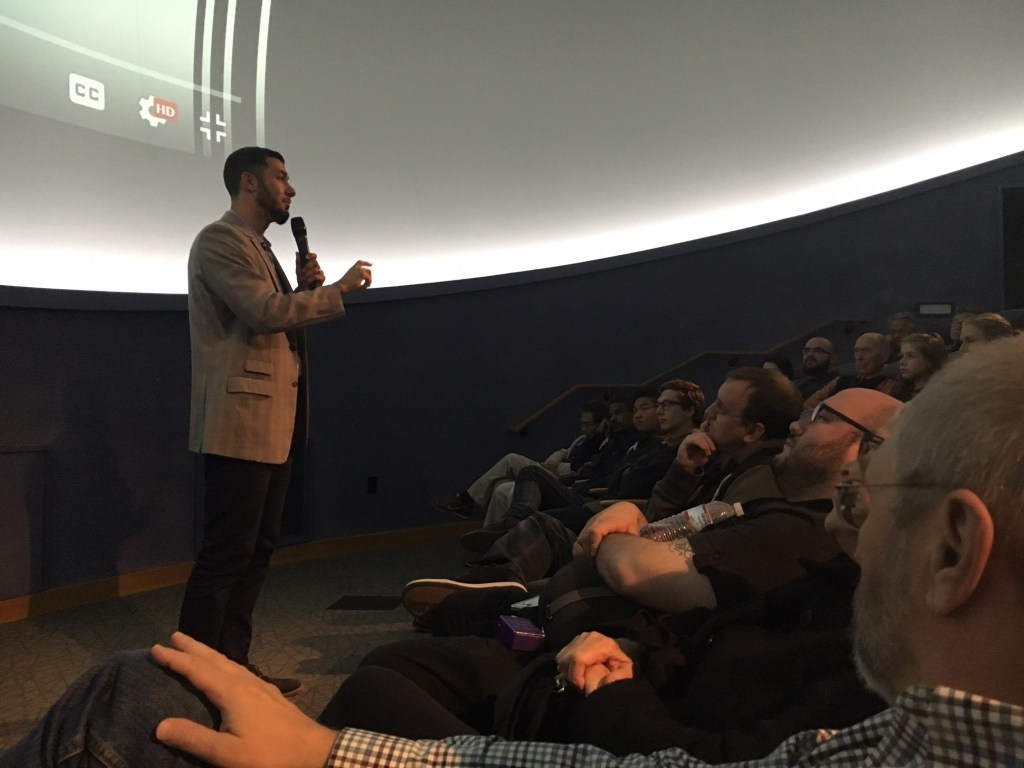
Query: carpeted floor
x=298 y=632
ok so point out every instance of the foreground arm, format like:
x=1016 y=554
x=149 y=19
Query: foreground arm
x=260 y=727
x=655 y=574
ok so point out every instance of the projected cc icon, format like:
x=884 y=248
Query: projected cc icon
x=86 y=92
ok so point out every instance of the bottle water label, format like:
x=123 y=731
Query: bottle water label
x=690 y=521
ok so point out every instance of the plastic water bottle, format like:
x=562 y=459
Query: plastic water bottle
x=689 y=521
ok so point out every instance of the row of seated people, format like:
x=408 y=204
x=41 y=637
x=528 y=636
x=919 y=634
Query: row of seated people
x=624 y=461
x=714 y=646
x=772 y=582
x=899 y=362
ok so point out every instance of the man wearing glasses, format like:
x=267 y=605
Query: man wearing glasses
x=819 y=357
x=730 y=457
x=870 y=353
x=938 y=516
x=740 y=553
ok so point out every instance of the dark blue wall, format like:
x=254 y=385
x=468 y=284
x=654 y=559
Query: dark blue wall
x=419 y=387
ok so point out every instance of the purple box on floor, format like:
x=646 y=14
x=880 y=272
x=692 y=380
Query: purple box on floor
x=520 y=634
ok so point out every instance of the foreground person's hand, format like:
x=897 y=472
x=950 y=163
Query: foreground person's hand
x=593 y=660
x=261 y=729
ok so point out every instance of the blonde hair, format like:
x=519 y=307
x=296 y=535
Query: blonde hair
x=992 y=325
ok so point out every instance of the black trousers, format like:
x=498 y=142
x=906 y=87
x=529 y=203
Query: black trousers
x=382 y=700
x=244 y=505
x=453 y=680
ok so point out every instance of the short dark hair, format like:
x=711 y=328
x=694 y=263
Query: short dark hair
x=597 y=409
x=645 y=391
x=772 y=400
x=620 y=398
x=245 y=160
x=692 y=395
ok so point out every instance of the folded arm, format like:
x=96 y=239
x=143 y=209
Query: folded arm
x=655 y=574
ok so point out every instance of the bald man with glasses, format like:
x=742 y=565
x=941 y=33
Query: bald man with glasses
x=819 y=358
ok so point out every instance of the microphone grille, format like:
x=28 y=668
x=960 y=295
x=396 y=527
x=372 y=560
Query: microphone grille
x=298 y=227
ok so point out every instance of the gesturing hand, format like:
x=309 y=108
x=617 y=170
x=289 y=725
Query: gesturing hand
x=358 y=278
x=261 y=729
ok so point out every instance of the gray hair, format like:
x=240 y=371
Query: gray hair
x=966 y=430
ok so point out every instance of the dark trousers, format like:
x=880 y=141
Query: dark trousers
x=461 y=676
x=244 y=504
x=536 y=488
x=382 y=700
x=534 y=549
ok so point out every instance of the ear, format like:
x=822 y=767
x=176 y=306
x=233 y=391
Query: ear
x=960 y=551
x=754 y=433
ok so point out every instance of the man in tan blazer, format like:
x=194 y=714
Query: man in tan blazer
x=248 y=393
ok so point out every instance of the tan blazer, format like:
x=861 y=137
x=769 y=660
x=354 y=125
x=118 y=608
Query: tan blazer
x=244 y=372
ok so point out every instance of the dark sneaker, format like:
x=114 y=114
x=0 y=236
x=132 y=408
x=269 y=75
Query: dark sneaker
x=462 y=505
x=288 y=686
x=423 y=595
x=482 y=539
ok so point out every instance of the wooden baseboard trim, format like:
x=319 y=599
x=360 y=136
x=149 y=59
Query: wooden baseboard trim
x=75 y=595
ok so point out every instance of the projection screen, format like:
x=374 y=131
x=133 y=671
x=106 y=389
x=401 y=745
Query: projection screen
x=451 y=139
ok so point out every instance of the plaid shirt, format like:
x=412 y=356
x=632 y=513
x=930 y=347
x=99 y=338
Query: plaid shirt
x=940 y=727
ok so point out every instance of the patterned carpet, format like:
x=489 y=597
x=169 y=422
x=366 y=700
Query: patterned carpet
x=315 y=621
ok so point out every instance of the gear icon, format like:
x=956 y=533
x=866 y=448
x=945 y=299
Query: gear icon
x=146 y=112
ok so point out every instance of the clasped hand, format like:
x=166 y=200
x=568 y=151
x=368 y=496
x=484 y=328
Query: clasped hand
x=593 y=660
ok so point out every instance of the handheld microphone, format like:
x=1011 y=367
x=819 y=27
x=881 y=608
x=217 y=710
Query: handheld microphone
x=301 y=242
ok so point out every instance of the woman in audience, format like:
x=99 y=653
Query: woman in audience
x=921 y=355
x=984 y=328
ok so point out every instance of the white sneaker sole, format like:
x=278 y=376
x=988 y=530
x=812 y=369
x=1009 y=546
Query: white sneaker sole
x=419 y=597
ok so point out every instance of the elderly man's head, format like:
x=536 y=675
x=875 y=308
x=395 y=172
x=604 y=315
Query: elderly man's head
x=940 y=511
x=869 y=355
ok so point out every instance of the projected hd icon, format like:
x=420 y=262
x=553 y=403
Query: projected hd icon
x=157 y=112
x=174 y=74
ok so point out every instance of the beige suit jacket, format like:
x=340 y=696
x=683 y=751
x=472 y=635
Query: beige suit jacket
x=245 y=374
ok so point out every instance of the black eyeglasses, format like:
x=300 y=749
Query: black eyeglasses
x=869 y=440
x=715 y=409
